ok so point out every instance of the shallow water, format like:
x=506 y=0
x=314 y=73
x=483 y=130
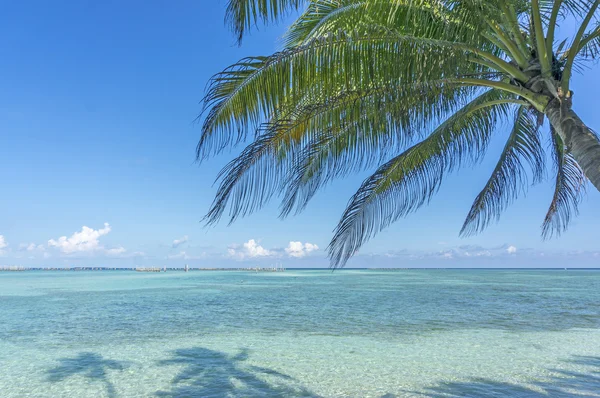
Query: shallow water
x=351 y=333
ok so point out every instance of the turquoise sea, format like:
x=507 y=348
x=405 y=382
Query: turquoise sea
x=350 y=333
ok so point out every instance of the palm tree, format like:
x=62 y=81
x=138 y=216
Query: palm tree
x=416 y=87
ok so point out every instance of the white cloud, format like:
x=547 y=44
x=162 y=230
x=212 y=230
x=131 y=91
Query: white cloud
x=250 y=249
x=459 y=252
x=31 y=247
x=182 y=255
x=86 y=241
x=3 y=244
x=117 y=251
x=299 y=249
x=472 y=251
x=179 y=242
x=253 y=249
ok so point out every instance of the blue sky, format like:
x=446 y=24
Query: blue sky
x=97 y=155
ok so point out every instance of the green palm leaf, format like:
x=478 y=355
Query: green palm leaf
x=374 y=131
x=360 y=81
x=365 y=126
x=510 y=174
x=569 y=188
x=242 y=14
x=589 y=48
x=257 y=88
x=419 y=18
x=409 y=180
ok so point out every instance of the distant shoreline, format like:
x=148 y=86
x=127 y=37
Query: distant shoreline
x=263 y=269
x=138 y=269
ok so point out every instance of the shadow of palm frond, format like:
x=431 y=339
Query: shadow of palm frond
x=564 y=384
x=209 y=373
x=90 y=365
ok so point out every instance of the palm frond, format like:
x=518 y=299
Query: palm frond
x=509 y=177
x=256 y=88
x=409 y=180
x=362 y=125
x=251 y=179
x=371 y=133
x=242 y=14
x=568 y=191
x=419 y=18
x=589 y=48
x=576 y=8
x=575 y=45
x=316 y=15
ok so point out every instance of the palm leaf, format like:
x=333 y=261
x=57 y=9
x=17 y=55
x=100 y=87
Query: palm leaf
x=409 y=180
x=242 y=14
x=255 y=89
x=317 y=14
x=590 y=45
x=366 y=125
x=419 y=18
x=568 y=191
x=509 y=177
x=369 y=134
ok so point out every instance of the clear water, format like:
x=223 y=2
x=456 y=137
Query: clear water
x=457 y=333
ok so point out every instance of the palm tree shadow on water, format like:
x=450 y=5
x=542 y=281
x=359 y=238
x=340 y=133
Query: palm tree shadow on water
x=90 y=365
x=209 y=373
x=563 y=384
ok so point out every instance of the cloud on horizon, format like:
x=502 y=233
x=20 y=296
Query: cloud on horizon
x=3 y=244
x=117 y=251
x=253 y=249
x=31 y=247
x=299 y=249
x=506 y=255
x=179 y=242
x=250 y=249
x=459 y=252
x=183 y=255
x=86 y=242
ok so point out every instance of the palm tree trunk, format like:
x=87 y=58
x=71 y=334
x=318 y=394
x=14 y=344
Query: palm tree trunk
x=581 y=142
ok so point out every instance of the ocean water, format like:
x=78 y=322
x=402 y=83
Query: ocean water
x=351 y=333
